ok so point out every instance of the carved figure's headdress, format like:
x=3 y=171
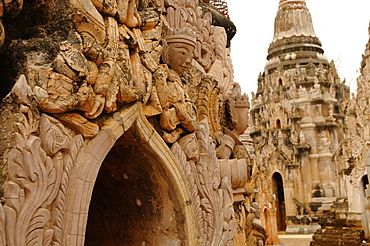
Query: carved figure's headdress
x=179 y=31
x=181 y=38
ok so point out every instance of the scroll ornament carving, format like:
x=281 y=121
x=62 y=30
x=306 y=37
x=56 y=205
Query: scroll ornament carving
x=356 y=152
x=211 y=193
x=37 y=167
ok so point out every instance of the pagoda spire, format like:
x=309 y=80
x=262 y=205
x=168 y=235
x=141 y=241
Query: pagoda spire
x=293 y=19
x=294 y=36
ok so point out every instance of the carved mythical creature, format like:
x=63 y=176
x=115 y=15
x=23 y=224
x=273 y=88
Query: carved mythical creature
x=255 y=233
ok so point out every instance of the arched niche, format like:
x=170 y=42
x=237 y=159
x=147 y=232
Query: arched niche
x=364 y=184
x=130 y=166
x=278 y=191
x=280 y=82
x=278 y=124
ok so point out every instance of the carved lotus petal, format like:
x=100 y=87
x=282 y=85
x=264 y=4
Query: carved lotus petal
x=53 y=134
x=190 y=147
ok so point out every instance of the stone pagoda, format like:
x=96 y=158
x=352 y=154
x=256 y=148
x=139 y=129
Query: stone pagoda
x=298 y=126
x=121 y=124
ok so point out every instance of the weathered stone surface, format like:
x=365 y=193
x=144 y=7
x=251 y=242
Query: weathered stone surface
x=114 y=115
x=338 y=232
x=310 y=137
x=124 y=114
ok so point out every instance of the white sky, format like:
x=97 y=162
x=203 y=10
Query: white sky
x=342 y=27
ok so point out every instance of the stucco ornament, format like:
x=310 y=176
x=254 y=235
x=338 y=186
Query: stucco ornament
x=215 y=220
x=157 y=69
x=36 y=167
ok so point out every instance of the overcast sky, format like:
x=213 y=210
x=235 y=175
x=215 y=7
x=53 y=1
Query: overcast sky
x=342 y=27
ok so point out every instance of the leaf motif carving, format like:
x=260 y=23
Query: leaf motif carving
x=68 y=165
x=211 y=195
x=2 y=226
x=188 y=171
x=35 y=176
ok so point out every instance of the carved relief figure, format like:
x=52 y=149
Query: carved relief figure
x=176 y=105
x=256 y=234
x=108 y=61
x=324 y=143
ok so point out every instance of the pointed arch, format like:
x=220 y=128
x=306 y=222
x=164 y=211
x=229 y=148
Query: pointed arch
x=278 y=191
x=90 y=160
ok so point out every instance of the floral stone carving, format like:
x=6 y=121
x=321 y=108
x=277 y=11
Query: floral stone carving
x=117 y=66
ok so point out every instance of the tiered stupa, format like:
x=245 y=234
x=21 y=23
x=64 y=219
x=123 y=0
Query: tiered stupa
x=294 y=38
x=298 y=127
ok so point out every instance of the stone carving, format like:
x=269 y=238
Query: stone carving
x=107 y=63
x=324 y=143
x=298 y=121
x=178 y=51
x=197 y=156
x=238 y=107
x=36 y=167
x=166 y=57
x=255 y=233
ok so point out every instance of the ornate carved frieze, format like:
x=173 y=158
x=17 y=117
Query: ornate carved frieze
x=113 y=61
x=38 y=169
x=211 y=192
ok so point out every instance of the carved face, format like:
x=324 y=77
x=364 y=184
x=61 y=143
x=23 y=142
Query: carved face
x=180 y=56
x=241 y=120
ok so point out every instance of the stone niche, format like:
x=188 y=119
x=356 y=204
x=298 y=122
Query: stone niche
x=133 y=202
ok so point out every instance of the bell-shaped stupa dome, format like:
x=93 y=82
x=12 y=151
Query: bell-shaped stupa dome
x=294 y=36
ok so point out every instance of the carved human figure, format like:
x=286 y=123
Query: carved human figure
x=298 y=75
x=310 y=70
x=331 y=113
x=180 y=52
x=176 y=106
x=324 y=143
x=315 y=90
x=292 y=92
x=257 y=212
x=321 y=72
x=302 y=92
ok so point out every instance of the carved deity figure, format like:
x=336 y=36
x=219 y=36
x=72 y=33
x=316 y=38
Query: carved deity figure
x=302 y=92
x=292 y=92
x=321 y=72
x=315 y=90
x=176 y=105
x=331 y=113
x=310 y=70
x=298 y=75
x=324 y=143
